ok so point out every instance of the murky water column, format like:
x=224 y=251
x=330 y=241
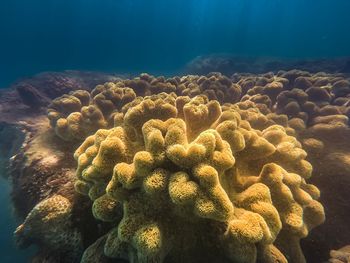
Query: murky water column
x=8 y=223
x=10 y=141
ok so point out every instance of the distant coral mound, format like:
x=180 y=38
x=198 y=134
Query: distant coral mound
x=228 y=64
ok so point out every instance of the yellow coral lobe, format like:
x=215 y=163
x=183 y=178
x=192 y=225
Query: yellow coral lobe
x=185 y=157
x=257 y=147
x=143 y=162
x=61 y=124
x=181 y=190
x=314 y=214
x=213 y=202
x=248 y=228
x=156 y=182
x=207 y=175
x=82 y=187
x=126 y=175
x=110 y=152
x=228 y=132
x=155 y=141
x=257 y=199
x=148 y=242
x=199 y=116
x=293 y=217
x=128 y=227
x=205 y=208
x=89 y=141
x=104 y=208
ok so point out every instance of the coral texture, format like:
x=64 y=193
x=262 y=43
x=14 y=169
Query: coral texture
x=201 y=168
x=341 y=255
x=77 y=115
x=189 y=176
x=48 y=225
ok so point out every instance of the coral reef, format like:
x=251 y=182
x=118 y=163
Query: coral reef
x=177 y=173
x=73 y=118
x=78 y=114
x=215 y=86
x=185 y=169
x=317 y=107
x=94 y=253
x=48 y=225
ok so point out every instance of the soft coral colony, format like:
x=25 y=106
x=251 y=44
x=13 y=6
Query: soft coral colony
x=197 y=168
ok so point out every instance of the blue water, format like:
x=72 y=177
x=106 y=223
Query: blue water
x=8 y=223
x=162 y=35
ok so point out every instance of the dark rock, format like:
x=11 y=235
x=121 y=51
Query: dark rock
x=31 y=96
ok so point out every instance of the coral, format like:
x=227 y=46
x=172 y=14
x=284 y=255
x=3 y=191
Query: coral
x=341 y=255
x=49 y=224
x=296 y=93
x=79 y=114
x=72 y=117
x=317 y=107
x=259 y=116
x=215 y=86
x=263 y=102
x=341 y=88
x=183 y=180
x=119 y=143
x=94 y=253
x=146 y=84
x=111 y=96
x=295 y=104
x=200 y=168
x=271 y=89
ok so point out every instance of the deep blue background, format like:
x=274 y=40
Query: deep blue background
x=162 y=35
x=8 y=224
